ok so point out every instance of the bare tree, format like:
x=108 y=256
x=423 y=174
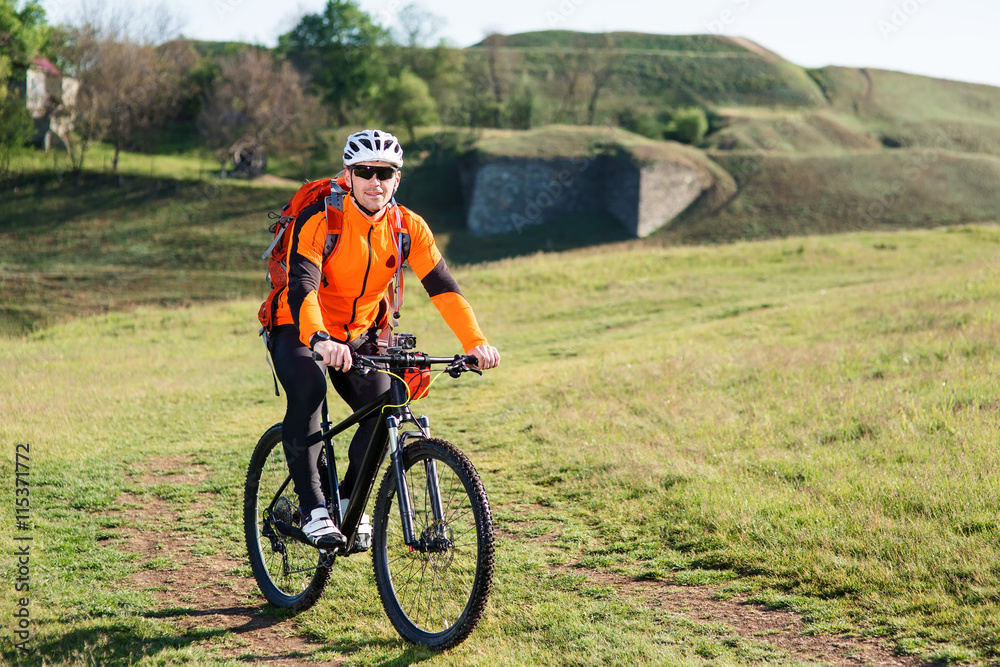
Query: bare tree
x=127 y=86
x=257 y=108
x=569 y=73
x=602 y=65
x=498 y=71
x=131 y=88
x=417 y=27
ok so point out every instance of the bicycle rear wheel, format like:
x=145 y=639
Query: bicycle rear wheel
x=290 y=574
x=437 y=595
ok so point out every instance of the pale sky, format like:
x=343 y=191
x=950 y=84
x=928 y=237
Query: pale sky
x=952 y=39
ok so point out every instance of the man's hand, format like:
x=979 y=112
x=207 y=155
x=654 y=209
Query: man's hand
x=487 y=356
x=336 y=355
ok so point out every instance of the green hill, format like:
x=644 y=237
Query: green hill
x=812 y=150
x=651 y=72
x=754 y=91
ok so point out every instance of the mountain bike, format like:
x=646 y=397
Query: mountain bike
x=431 y=537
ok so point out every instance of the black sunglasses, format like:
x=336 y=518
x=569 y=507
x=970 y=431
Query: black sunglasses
x=366 y=172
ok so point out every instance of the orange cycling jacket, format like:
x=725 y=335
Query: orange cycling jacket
x=342 y=295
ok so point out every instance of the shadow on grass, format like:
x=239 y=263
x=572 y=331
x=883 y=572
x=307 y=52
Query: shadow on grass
x=121 y=643
x=568 y=232
x=43 y=202
x=107 y=644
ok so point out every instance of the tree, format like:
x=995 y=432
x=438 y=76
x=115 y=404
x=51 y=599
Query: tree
x=340 y=52
x=688 y=125
x=128 y=87
x=16 y=129
x=22 y=33
x=603 y=65
x=416 y=27
x=498 y=73
x=568 y=72
x=407 y=101
x=258 y=108
x=131 y=87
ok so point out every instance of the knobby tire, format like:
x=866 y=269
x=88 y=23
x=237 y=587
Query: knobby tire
x=302 y=586
x=435 y=599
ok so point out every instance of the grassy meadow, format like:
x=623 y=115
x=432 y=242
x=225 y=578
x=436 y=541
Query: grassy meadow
x=806 y=423
x=810 y=424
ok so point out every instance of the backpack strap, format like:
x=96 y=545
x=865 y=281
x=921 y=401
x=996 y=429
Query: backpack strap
x=334 y=226
x=402 y=239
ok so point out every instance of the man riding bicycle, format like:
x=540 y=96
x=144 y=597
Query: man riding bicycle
x=335 y=307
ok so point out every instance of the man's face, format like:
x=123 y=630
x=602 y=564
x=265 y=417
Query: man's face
x=372 y=193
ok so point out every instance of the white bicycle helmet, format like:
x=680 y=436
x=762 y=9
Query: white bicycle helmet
x=373 y=146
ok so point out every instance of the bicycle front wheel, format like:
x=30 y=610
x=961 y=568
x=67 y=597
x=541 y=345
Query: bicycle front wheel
x=435 y=594
x=290 y=574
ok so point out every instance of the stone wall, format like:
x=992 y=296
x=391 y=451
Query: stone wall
x=506 y=194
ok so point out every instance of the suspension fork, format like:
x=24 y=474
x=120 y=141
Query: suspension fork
x=406 y=511
x=430 y=469
x=402 y=488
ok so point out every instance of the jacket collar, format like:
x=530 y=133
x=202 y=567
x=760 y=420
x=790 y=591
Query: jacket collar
x=351 y=208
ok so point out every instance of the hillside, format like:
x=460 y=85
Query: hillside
x=811 y=150
x=651 y=73
x=772 y=453
x=749 y=87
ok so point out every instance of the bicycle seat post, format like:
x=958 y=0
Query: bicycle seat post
x=331 y=465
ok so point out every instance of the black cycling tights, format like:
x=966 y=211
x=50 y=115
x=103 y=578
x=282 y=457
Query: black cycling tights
x=305 y=387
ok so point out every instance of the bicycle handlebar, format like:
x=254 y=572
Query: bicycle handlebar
x=458 y=364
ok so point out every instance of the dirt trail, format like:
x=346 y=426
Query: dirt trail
x=204 y=593
x=783 y=630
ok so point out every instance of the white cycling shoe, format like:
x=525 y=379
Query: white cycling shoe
x=320 y=530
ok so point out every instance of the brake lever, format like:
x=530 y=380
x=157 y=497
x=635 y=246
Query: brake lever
x=462 y=364
x=361 y=365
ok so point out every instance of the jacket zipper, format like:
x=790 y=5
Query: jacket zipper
x=364 y=284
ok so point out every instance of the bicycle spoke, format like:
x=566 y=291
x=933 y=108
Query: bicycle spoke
x=289 y=573
x=436 y=596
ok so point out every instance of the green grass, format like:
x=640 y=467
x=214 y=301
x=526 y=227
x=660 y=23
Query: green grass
x=864 y=109
x=190 y=164
x=108 y=244
x=810 y=423
x=821 y=193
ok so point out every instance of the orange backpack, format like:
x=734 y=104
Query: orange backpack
x=330 y=191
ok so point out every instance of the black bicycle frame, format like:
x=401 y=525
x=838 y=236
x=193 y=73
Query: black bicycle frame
x=385 y=439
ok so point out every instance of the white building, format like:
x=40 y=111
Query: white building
x=50 y=98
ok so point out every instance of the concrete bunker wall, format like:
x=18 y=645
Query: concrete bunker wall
x=507 y=194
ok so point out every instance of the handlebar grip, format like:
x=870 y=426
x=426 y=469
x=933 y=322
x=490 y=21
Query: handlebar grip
x=317 y=356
